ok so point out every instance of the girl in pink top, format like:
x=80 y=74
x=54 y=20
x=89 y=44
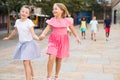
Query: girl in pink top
x=58 y=44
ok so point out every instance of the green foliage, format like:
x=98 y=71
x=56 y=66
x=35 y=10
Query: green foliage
x=72 y=5
x=47 y=5
x=6 y=6
x=80 y=5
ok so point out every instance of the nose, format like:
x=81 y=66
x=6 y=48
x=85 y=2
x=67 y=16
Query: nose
x=23 y=12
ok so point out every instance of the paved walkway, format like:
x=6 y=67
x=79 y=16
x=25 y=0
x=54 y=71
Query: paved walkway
x=92 y=60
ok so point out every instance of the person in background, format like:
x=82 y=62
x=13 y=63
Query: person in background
x=83 y=27
x=94 y=28
x=107 y=24
x=72 y=21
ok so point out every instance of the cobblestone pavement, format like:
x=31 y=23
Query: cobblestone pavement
x=92 y=60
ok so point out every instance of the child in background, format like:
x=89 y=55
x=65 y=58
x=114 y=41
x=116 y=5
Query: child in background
x=94 y=25
x=27 y=49
x=71 y=19
x=107 y=23
x=58 y=44
x=83 y=27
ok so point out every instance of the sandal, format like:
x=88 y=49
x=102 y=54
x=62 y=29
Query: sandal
x=55 y=77
x=48 y=78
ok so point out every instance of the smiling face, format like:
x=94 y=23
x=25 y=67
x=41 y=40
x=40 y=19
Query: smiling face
x=57 y=12
x=24 y=13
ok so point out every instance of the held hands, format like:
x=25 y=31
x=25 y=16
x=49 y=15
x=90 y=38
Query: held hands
x=36 y=37
x=41 y=37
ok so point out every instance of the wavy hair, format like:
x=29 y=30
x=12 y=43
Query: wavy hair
x=64 y=9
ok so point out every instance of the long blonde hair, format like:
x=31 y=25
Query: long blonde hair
x=64 y=9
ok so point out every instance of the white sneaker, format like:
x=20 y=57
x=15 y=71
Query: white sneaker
x=55 y=77
x=107 y=39
x=49 y=78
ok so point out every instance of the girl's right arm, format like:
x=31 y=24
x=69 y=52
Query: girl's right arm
x=75 y=33
x=11 y=35
x=42 y=36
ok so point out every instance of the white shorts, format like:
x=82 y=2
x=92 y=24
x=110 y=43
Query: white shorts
x=93 y=31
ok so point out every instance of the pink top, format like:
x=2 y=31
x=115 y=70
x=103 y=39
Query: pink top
x=59 y=25
x=65 y=22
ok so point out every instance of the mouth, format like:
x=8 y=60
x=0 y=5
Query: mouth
x=54 y=13
x=22 y=15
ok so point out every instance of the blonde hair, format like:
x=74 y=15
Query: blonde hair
x=64 y=9
x=26 y=6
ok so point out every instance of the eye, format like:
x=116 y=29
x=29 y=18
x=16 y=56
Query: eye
x=55 y=8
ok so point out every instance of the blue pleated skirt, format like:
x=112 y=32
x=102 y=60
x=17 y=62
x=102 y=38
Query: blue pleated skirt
x=27 y=50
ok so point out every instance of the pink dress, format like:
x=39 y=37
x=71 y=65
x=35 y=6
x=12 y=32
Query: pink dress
x=58 y=43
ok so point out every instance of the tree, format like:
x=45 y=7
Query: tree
x=104 y=4
x=47 y=5
x=7 y=6
x=72 y=5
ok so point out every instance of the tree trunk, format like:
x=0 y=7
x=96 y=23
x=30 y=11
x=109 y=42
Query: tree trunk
x=93 y=14
x=8 y=22
x=104 y=13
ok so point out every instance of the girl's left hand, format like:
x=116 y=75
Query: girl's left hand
x=41 y=37
x=78 y=40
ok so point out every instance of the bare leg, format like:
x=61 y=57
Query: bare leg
x=50 y=64
x=107 y=34
x=58 y=66
x=27 y=69
x=84 y=34
x=94 y=36
x=91 y=36
x=32 y=73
